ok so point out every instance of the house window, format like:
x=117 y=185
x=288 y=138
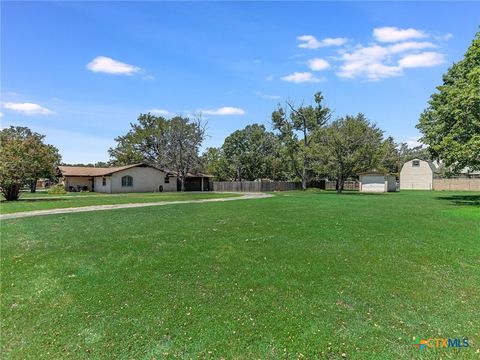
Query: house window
x=416 y=163
x=127 y=181
x=166 y=180
x=104 y=182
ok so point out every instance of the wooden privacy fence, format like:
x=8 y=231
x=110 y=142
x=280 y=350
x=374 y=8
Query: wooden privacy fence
x=255 y=186
x=347 y=185
x=460 y=184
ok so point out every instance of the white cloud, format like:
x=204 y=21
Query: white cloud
x=425 y=59
x=376 y=62
x=269 y=77
x=110 y=66
x=393 y=34
x=226 y=110
x=367 y=62
x=414 y=141
x=1 y=114
x=12 y=93
x=301 y=77
x=447 y=36
x=28 y=108
x=266 y=96
x=318 y=64
x=160 y=112
x=311 y=42
x=410 y=45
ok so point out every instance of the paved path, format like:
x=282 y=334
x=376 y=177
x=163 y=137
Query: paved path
x=246 y=196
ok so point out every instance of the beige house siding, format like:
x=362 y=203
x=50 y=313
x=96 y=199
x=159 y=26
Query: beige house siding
x=99 y=187
x=416 y=177
x=145 y=179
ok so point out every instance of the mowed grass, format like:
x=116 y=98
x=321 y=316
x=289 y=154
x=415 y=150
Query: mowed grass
x=30 y=202
x=299 y=275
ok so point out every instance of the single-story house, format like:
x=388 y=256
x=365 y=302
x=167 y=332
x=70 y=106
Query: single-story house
x=375 y=181
x=417 y=174
x=129 y=178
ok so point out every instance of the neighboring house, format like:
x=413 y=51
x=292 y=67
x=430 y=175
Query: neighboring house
x=375 y=181
x=129 y=178
x=417 y=174
x=468 y=173
x=44 y=183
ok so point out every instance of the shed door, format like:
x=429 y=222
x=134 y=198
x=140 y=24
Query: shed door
x=373 y=183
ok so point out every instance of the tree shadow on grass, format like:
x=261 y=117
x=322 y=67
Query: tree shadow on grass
x=463 y=200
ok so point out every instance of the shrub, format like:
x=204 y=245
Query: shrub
x=57 y=189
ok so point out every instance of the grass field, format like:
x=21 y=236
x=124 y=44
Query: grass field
x=298 y=275
x=29 y=202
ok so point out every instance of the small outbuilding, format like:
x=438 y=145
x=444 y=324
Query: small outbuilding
x=417 y=174
x=377 y=182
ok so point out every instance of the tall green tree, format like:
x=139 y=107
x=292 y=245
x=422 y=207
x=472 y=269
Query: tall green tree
x=166 y=143
x=295 y=126
x=146 y=141
x=214 y=163
x=451 y=123
x=24 y=158
x=249 y=152
x=184 y=140
x=390 y=155
x=349 y=145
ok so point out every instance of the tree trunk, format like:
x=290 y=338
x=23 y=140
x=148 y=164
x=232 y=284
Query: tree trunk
x=340 y=182
x=11 y=192
x=33 y=186
x=182 y=183
x=304 y=175
x=304 y=182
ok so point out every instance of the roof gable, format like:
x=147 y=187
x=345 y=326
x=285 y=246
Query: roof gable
x=430 y=164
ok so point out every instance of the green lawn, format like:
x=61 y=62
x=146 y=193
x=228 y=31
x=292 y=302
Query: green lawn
x=29 y=202
x=299 y=275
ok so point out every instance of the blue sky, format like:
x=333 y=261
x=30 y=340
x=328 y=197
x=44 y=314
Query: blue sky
x=80 y=72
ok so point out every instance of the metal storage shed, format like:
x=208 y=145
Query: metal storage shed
x=375 y=181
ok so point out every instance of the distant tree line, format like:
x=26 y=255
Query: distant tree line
x=306 y=145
